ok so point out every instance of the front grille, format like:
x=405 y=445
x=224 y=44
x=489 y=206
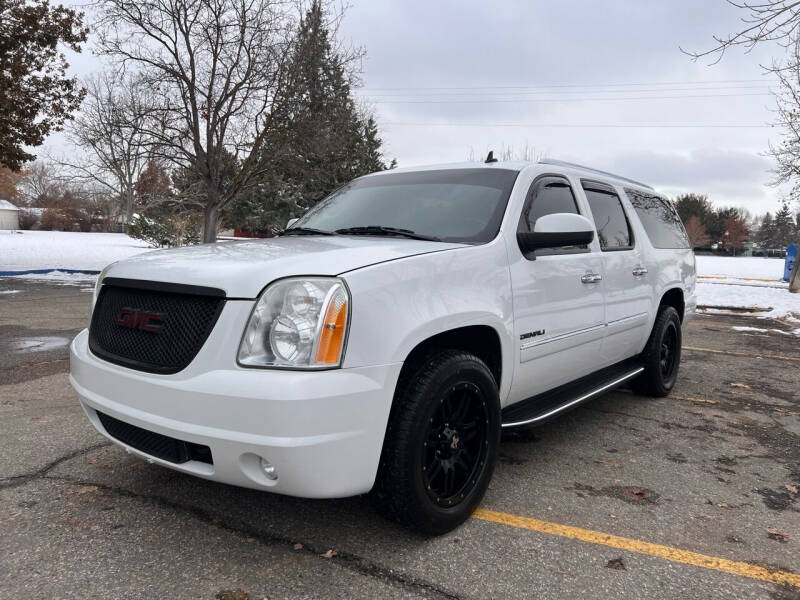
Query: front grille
x=153 y=327
x=155 y=444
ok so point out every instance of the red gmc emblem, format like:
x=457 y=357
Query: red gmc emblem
x=133 y=318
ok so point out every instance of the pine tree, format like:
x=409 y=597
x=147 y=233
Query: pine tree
x=784 y=226
x=323 y=139
x=368 y=156
x=766 y=232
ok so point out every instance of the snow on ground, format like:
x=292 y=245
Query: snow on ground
x=740 y=266
x=772 y=301
x=746 y=282
x=86 y=279
x=64 y=249
x=766 y=330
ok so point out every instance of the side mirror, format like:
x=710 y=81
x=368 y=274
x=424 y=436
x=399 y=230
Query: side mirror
x=291 y=222
x=556 y=231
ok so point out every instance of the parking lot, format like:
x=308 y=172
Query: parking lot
x=690 y=496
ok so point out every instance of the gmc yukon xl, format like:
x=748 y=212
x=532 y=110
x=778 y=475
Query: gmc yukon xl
x=385 y=338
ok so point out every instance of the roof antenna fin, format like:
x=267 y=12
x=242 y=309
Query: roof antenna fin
x=491 y=158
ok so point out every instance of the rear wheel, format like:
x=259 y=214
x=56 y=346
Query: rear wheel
x=662 y=355
x=441 y=443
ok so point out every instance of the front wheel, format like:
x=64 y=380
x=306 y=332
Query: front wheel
x=441 y=443
x=661 y=356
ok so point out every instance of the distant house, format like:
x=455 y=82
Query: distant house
x=9 y=215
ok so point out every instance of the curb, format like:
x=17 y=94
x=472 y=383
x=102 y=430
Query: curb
x=46 y=271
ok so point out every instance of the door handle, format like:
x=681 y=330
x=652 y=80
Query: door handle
x=639 y=271
x=591 y=278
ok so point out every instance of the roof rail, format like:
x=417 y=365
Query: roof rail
x=563 y=163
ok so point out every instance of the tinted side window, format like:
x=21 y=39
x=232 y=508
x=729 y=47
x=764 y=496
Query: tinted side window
x=660 y=221
x=547 y=196
x=613 y=230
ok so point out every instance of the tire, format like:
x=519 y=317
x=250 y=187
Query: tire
x=661 y=356
x=441 y=443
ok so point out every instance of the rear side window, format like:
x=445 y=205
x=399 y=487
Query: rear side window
x=660 y=221
x=548 y=195
x=613 y=229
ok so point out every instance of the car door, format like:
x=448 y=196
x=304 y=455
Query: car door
x=625 y=278
x=557 y=298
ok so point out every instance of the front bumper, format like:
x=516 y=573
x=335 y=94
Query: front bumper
x=323 y=431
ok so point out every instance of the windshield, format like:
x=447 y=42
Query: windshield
x=454 y=205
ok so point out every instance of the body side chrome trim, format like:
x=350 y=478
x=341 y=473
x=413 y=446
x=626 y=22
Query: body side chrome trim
x=630 y=318
x=533 y=343
x=562 y=336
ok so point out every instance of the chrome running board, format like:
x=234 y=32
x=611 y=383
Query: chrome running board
x=547 y=405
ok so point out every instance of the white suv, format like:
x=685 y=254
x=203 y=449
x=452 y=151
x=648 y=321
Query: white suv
x=385 y=338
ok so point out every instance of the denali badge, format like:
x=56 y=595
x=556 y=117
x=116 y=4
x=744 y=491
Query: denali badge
x=133 y=318
x=531 y=334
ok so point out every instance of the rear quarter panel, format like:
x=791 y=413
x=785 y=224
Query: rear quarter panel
x=667 y=268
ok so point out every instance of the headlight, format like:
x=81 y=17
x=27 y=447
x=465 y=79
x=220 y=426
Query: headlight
x=297 y=323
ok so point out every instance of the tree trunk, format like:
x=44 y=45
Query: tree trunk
x=128 y=206
x=210 y=219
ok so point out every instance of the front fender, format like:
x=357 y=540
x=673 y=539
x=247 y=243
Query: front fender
x=399 y=304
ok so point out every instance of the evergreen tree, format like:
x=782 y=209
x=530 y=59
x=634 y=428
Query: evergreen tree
x=322 y=140
x=694 y=205
x=766 y=232
x=784 y=226
x=717 y=223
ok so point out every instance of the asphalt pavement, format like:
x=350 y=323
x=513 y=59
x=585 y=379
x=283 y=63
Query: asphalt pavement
x=690 y=496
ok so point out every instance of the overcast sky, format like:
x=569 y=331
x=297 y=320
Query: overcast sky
x=447 y=78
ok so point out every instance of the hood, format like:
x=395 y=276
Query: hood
x=243 y=268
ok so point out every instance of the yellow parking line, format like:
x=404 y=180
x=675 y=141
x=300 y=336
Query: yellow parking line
x=731 y=353
x=666 y=552
x=741 y=278
x=694 y=399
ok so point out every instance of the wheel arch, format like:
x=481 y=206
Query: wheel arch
x=674 y=297
x=481 y=340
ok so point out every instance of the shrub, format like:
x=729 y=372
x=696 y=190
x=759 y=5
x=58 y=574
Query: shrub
x=28 y=218
x=57 y=218
x=165 y=232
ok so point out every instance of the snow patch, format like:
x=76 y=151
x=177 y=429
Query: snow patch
x=65 y=249
x=770 y=269
x=764 y=330
x=41 y=344
x=60 y=277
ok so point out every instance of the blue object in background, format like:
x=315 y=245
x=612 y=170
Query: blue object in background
x=791 y=257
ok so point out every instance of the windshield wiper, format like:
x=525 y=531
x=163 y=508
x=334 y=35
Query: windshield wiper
x=305 y=231
x=387 y=231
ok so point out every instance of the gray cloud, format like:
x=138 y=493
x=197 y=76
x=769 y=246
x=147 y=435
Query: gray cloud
x=450 y=43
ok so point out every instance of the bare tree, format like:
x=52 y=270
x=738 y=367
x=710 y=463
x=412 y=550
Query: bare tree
x=773 y=21
x=41 y=184
x=787 y=100
x=526 y=153
x=766 y=20
x=219 y=72
x=698 y=235
x=736 y=233
x=110 y=131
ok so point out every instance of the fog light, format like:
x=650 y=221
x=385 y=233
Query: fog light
x=268 y=469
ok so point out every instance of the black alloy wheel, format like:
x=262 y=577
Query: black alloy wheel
x=669 y=351
x=441 y=442
x=456 y=444
x=661 y=357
